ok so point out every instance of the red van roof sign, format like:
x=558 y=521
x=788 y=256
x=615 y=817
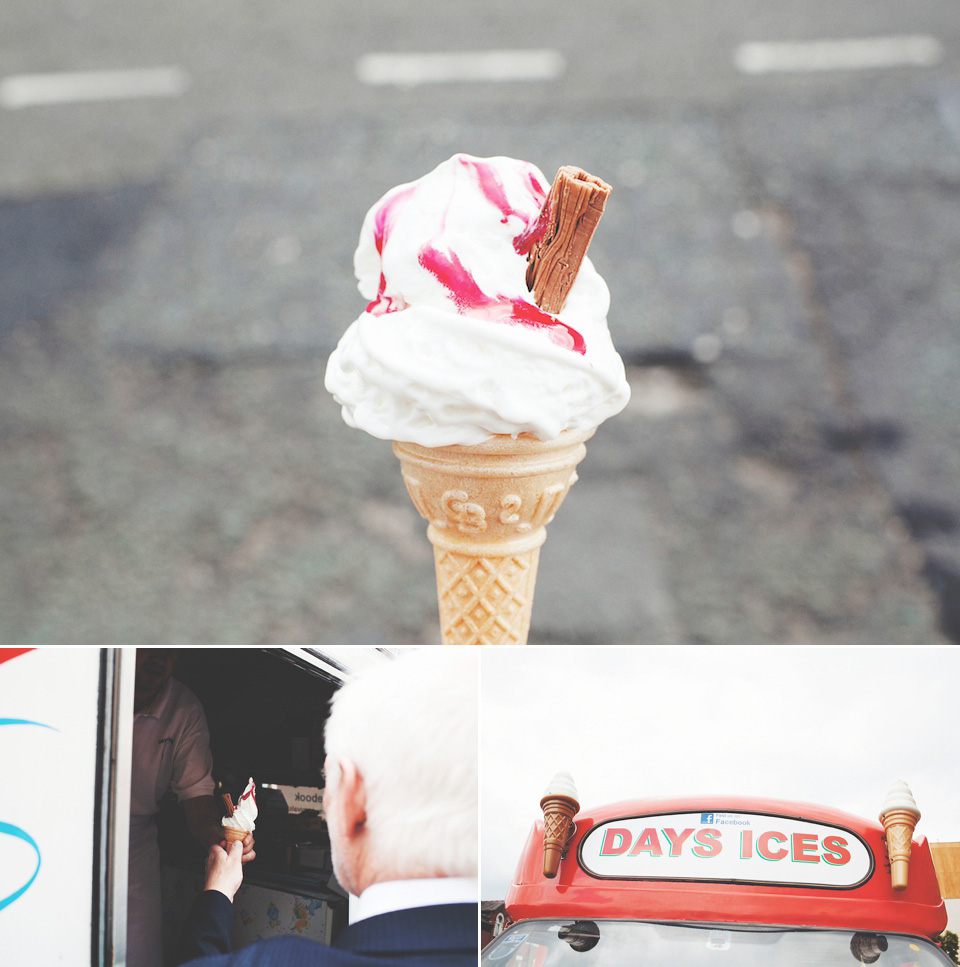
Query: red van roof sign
x=730 y=847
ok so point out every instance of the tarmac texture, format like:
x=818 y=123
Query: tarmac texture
x=785 y=281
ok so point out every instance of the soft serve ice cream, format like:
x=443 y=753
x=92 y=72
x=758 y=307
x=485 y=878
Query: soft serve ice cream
x=452 y=348
x=484 y=355
x=244 y=815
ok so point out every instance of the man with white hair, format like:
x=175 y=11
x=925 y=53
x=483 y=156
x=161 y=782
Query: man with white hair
x=401 y=809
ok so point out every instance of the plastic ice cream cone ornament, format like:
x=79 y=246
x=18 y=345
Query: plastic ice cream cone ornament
x=899 y=816
x=559 y=805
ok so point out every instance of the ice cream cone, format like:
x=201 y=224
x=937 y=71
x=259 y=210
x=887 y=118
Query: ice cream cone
x=559 y=805
x=488 y=506
x=558 y=812
x=899 y=817
x=232 y=834
x=899 y=825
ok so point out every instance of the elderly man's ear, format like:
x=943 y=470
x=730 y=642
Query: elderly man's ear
x=350 y=800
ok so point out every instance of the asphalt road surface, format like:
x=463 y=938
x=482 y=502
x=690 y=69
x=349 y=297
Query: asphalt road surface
x=181 y=188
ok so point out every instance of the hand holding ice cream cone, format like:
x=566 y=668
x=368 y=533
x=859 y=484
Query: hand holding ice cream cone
x=223 y=871
x=559 y=805
x=899 y=816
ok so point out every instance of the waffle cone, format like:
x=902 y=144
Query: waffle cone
x=899 y=825
x=558 y=812
x=232 y=834
x=488 y=506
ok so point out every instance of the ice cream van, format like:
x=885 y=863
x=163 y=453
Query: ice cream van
x=719 y=881
x=66 y=724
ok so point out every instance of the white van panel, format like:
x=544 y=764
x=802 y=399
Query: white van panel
x=49 y=706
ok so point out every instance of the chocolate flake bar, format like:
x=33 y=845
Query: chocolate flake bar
x=573 y=208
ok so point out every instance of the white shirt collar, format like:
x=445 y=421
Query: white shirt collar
x=404 y=894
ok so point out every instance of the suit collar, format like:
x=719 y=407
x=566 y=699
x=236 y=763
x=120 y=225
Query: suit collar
x=390 y=895
x=448 y=926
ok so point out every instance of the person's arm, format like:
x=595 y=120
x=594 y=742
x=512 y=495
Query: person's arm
x=192 y=781
x=206 y=931
x=203 y=821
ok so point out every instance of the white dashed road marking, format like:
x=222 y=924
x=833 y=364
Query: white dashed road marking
x=410 y=70
x=838 y=55
x=31 y=90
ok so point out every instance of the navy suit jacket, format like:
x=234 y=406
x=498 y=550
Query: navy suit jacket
x=434 y=936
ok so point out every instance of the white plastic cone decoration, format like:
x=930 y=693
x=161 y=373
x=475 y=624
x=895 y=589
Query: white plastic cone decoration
x=899 y=816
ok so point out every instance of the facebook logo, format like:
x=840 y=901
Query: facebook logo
x=706 y=819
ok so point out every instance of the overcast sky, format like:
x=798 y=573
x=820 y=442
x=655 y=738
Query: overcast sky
x=828 y=725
